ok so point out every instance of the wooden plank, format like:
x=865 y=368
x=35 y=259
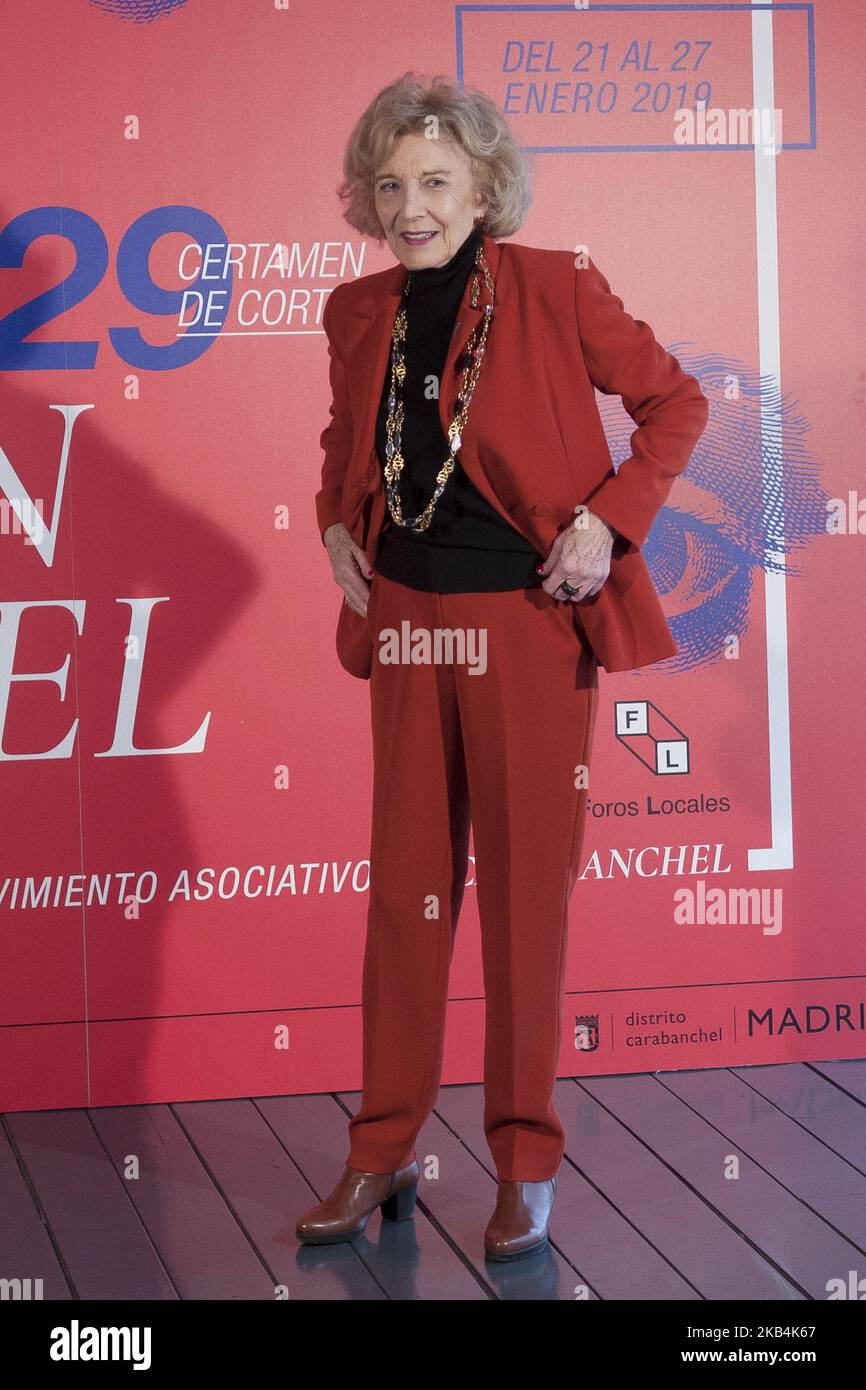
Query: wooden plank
x=267 y=1193
x=614 y=1259
x=847 y=1075
x=26 y=1248
x=649 y=1187
x=104 y=1245
x=796 y=1244
x=458 y=1194
x=205 y=1251
x=826 y=1111
x=819 y=1154
x=407 y=1259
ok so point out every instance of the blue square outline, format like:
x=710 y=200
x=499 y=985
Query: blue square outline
x=806 y=5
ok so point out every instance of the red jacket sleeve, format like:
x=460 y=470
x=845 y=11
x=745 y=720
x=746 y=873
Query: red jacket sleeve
x=336 y=437
x=668 y=406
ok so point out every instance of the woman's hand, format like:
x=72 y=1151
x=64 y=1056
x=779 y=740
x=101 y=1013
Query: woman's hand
x=349 y=564
x=580 y=555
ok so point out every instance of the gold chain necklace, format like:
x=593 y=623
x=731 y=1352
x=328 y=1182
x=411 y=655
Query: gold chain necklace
x=394 y=461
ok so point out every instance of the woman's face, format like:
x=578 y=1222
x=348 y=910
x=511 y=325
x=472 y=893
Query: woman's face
x=426 y=186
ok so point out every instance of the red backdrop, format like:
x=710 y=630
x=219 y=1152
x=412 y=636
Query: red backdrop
x=185 y=767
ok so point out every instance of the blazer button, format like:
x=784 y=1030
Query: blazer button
x=541 y=511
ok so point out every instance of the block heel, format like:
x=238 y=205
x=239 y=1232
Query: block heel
x=401 y=1205
x=343 y=1213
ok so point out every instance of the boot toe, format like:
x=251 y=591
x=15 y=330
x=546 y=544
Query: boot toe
x=519 y=1224
x=316 y=1228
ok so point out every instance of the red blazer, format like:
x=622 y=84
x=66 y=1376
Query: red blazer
x=534 y=445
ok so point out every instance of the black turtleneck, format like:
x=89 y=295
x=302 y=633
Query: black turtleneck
x=468 y=547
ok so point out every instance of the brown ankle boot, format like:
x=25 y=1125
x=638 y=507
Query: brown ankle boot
x=518 y=1226
x=343 y=1215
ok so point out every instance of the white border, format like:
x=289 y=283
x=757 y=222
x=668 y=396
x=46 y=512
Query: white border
x=780 y=853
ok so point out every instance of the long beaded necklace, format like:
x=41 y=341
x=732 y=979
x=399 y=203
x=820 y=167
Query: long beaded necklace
x=394 y=461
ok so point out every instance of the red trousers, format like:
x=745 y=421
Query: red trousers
x=502 y=726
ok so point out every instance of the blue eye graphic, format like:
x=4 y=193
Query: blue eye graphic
x=140 y=11
x=745 y=503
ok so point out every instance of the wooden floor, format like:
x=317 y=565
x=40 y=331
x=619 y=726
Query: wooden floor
x=649 y=1205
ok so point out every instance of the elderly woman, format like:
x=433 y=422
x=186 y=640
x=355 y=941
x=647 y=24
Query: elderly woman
x=489 y=559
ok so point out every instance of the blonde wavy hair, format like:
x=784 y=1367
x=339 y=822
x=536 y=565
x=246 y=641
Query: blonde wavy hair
x=500 y=169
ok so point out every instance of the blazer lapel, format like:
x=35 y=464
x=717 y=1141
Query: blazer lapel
x=371 y=352
x=371 y=325
x=468 y=316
